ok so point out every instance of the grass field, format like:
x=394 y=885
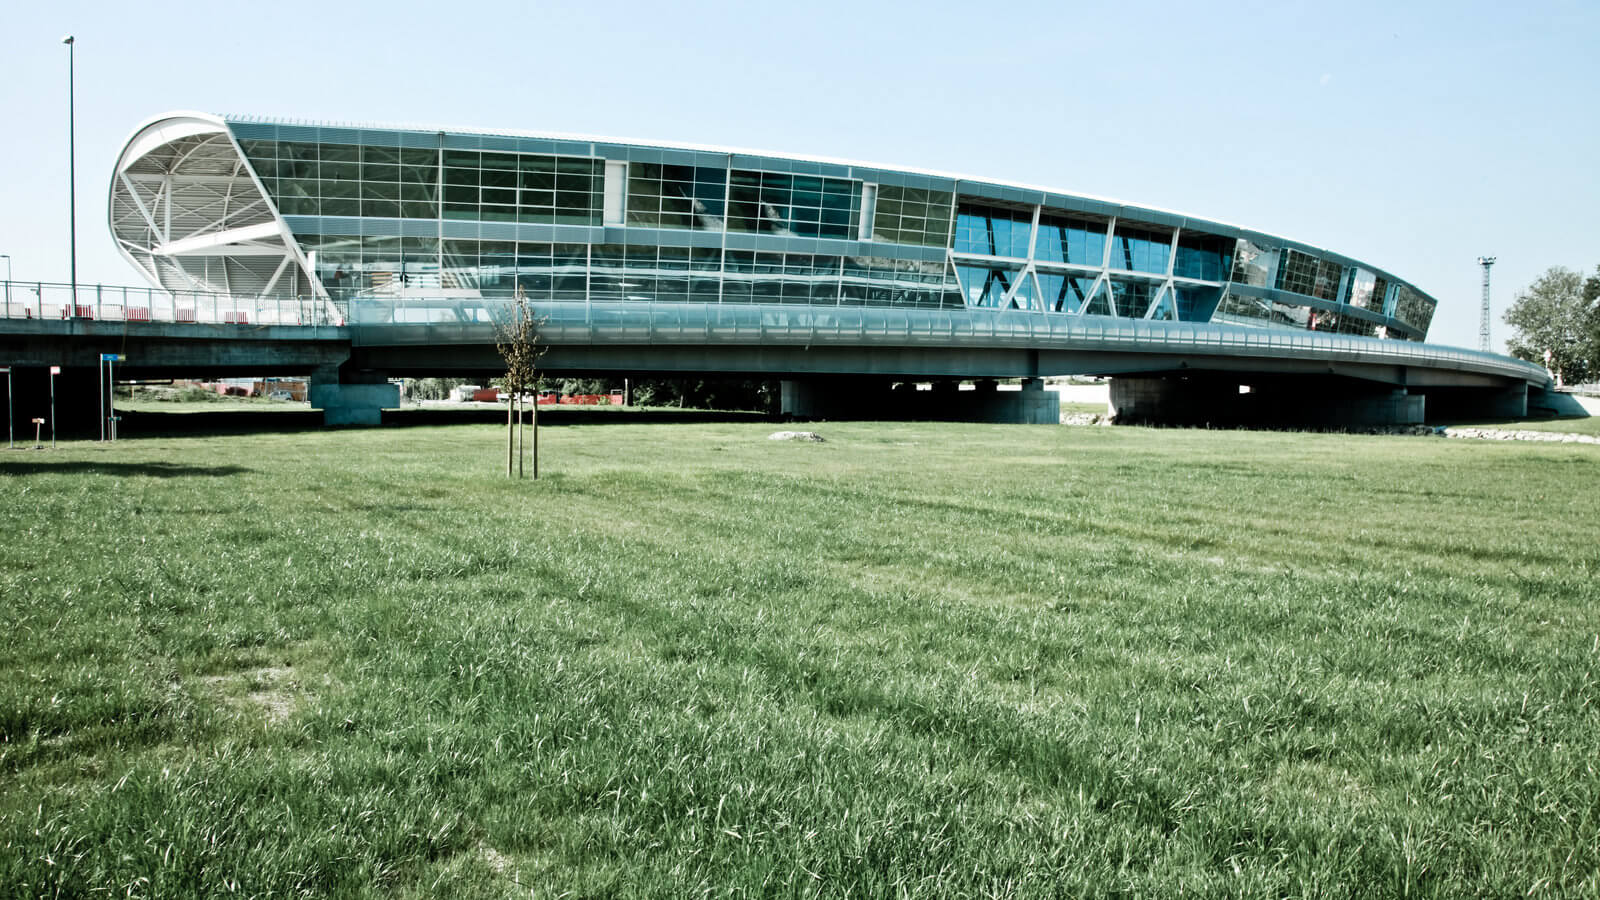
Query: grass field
x=916 y=660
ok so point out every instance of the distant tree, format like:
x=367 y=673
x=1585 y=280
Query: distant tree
x=1591 y=300
x=1554 y=325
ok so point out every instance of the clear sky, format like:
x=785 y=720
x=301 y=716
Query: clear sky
x=1413 y=136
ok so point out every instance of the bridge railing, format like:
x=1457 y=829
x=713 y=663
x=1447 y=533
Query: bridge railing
x=466 y=320
x=54 y=300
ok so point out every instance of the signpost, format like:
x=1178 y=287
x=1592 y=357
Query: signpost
x=11 y=425
x=54 y=371
x=108 y=408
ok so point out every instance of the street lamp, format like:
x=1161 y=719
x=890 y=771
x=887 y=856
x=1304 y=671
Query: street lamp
x=72 y=180
x=7 y=258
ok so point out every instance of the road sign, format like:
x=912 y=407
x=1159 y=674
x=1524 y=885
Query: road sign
x=112 y=357
x=5 y=370
x=55 y=370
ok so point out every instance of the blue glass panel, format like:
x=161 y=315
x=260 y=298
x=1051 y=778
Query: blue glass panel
x=991 y=231
x=1064 y=293
x=1196 y=304
x=1138 y=249
x=1164 y=310
x=1132 y=298
x=1026 y=296
x=1063 y=240
x=985 y=286
x=1100 y=301
x=1203 y=256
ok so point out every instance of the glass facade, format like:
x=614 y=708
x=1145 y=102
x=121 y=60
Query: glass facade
x=1136 y=249
x=801 y=205
x=692 y=197
x=991 y=231
x=911 y=216
x=1076 y=241
x=383 y=213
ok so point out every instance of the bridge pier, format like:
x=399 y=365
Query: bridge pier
x=351 y=397
x=878 y=399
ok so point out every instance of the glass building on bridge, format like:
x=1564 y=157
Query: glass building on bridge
x=336 y=213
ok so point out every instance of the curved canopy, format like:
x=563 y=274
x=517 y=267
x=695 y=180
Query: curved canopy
x=189 y=213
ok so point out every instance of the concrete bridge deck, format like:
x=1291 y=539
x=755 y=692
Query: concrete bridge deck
x=1163 y=367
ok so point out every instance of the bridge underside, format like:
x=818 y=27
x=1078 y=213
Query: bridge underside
x=825 y=376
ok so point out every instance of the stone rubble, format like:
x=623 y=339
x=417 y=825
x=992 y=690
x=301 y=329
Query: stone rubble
x=1451 y=431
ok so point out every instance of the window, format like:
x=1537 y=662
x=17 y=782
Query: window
x=992 y=231
x=1064 y=240
x=688 y=197
x=912 y=216
x=799 y=205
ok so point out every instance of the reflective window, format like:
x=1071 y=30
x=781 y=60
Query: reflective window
x=1413 y=307
x=676 y=196
x=879 y=281
x=1297 y=272
x=512 y=187
x=802 y=205
x=1139 y=249
x=1132 y=297
x=1026 y=295
x=986 y=286
x=1202 y=256
x=912 y=216
x=1382 y=301
x=1353 y=325
x=1065 y=240
x=1164 y=310
x=1196 y=304
x=1243 y=310
x=1100 y=301
x=1329 y=276
x=308 y=179
x=1065 y=293
x=781 y=278
x=1254 y=264
x=992 y=231
x=1358 y=290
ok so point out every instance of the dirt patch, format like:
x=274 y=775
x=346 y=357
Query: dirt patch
x=271 y=691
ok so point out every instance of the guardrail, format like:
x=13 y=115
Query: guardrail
x=405 y=321
x=54 y=300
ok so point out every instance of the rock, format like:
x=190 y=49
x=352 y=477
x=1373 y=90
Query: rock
x=810 y=436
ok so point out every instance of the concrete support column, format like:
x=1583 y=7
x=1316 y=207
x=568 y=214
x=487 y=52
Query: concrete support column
x=352 y=397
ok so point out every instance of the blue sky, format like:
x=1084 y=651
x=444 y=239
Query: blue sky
x=1413 y=136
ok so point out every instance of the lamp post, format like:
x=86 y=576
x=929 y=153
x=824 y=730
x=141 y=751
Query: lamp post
x=72 y=180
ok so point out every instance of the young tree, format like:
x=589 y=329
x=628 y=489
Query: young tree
x=518 y=344
x=1554 y=326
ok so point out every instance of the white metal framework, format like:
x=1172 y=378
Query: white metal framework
x=189 y=213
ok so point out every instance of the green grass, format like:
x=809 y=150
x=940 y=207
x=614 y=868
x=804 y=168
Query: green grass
x=917 y=660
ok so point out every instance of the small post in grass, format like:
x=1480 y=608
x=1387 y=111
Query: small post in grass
x=11 y=422
x=38 y=425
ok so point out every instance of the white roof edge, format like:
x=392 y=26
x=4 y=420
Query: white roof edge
x=229 y=118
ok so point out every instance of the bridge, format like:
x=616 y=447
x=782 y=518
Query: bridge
x=839 y=361
x=361 y=253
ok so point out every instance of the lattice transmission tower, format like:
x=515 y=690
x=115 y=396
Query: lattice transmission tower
x=1483 y=320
